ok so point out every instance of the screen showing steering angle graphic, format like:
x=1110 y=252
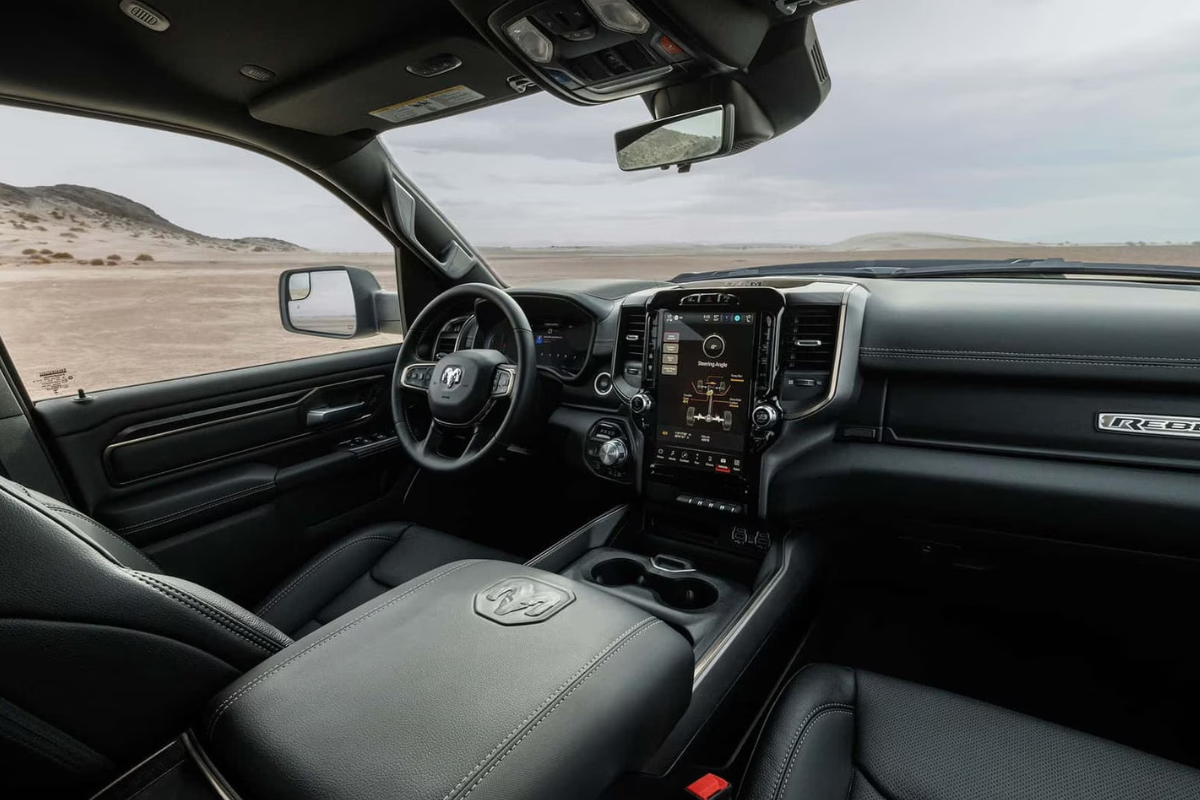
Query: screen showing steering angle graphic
x=705 y=371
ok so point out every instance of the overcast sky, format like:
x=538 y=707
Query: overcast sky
x=1025 y=120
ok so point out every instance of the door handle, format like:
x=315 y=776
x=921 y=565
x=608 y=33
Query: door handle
x=330 y=415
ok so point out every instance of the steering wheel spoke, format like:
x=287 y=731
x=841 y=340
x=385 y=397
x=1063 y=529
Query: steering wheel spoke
x=481 y=434
x=431 y=445
x=416 y=376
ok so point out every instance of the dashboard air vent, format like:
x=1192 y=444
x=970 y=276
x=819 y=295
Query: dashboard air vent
x=633 y=334
x=447 y=338
x=809 y=338
x=631 y=345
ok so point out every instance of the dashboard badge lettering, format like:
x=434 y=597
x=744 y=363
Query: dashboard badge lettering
x=1148 y=424
x=521 y=601
x=451 y=377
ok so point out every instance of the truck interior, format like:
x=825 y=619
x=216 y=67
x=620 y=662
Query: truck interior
x=880 y=532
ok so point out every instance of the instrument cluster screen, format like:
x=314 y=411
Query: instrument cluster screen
x=706 y=369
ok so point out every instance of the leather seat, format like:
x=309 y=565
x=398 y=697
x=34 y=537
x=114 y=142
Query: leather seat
x=842 y=734
x=360 y=568
x=103 y=658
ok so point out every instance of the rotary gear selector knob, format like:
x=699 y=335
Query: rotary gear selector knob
x=764 y=416
x=614 y=453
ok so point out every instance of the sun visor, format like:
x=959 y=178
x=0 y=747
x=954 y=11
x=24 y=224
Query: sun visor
x=445 y=76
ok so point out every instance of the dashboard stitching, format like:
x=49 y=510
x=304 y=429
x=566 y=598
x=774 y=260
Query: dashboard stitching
x=899 y=350
x=1036 y=361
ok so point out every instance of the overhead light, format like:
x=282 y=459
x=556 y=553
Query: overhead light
x=619 y=15
x=256 y=73
x=530 y=41
x=145 y=15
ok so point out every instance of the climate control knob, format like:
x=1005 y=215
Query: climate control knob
x=614 y=453
x=641 y=403
x=764 y=417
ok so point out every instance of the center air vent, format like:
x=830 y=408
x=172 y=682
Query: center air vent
x=807 y=349
x=631 y=345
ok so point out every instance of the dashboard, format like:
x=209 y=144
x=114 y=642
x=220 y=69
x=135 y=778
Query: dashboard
x=1050 y=408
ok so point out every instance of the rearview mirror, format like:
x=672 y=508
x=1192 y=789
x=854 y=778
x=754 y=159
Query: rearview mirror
x=338 y=302
x=683 y=139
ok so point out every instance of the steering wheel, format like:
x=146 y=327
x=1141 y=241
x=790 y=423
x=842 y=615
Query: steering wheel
x=464 y=387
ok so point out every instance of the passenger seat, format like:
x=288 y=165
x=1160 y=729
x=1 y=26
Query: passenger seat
x=841 y=734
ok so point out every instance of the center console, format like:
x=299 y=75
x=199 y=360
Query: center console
x=481 y=679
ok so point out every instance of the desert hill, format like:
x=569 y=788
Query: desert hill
x=80 y=223
x=912 y=241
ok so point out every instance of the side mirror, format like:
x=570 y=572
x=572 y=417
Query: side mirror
x=338 y=302
x=683 y=139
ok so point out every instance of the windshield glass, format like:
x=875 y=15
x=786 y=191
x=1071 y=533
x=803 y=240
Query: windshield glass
x=989 y=129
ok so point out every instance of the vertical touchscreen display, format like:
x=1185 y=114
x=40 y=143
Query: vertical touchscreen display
x=706 y=368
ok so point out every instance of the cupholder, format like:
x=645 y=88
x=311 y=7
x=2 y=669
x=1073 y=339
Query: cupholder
x=686 y=594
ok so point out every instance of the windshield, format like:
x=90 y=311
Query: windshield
x=990 y=129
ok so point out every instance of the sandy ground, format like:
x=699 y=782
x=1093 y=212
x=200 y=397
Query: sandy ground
x=69 y=326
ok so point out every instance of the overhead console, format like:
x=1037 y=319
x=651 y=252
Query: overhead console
x=594 y=51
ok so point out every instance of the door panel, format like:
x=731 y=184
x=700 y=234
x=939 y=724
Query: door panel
x=232 y=480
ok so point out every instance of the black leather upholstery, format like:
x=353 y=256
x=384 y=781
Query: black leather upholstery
x=102 y=657
x=360 y=568
x=837 y=733
x=432 y=691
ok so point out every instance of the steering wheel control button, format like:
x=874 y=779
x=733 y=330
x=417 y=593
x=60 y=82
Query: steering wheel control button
x=502 y=383
x=713 y=345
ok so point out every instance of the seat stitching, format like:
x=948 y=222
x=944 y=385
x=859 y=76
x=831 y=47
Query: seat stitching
x=279 y=595
x=800 y=745
x=103 y=529
x=466 y=778
x=229 y=702
x=792 y=742
x=850 y=787
x=594 y=670
x=150 y=523
x=210 y=612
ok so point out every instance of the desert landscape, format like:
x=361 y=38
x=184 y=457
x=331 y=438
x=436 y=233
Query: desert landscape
x=98 y=291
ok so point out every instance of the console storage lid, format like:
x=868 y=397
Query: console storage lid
x=480 y=679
